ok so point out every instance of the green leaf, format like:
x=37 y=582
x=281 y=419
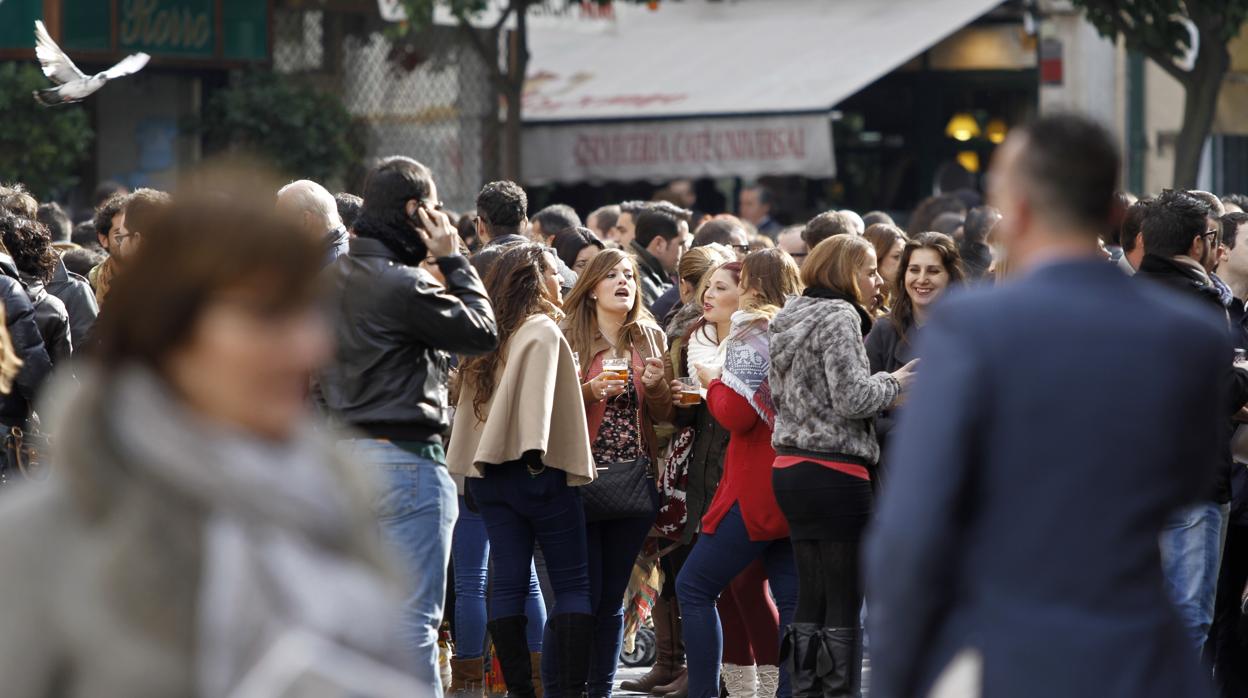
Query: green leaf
x=42 y=147
x=302 y=131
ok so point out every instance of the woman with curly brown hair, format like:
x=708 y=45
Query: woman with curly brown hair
x=32 y=259
x=521 y=439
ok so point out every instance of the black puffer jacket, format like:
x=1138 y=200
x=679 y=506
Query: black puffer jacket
x=75 y=292
x=396 y=328
x=52 y=319
x=15 y=408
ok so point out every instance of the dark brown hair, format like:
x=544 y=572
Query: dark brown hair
x=216 y=240
x=902 y=313
x=30 y=245
x=517 y=291
x=106 y=212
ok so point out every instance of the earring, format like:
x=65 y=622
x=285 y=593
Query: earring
x=593 y=298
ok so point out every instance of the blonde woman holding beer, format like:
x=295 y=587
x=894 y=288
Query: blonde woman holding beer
x=625 y=387
x=743 y=525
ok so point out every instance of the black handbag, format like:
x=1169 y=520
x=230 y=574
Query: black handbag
x=24 y=454
x=621 y=491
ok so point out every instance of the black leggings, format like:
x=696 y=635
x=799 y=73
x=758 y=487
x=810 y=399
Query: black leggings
x=829 y=591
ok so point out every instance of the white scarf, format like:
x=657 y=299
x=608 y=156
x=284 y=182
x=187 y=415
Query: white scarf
x=705 y=349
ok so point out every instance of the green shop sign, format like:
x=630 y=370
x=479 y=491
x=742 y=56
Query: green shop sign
x=185 y=29
x=166 y=27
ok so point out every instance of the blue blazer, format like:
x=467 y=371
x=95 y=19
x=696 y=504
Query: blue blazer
x=1055 y=423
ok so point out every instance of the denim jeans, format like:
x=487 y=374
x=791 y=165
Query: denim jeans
x=470 y=549
x=613 y=548
x=519 y=509
x=716 y=560
x=416 y=507
x=1191 y=548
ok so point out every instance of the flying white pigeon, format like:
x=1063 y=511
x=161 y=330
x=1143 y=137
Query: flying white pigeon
x=74 y=86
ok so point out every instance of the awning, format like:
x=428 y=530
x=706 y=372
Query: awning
x=706 y=89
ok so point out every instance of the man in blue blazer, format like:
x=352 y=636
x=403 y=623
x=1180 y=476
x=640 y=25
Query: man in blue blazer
x=1016 y=549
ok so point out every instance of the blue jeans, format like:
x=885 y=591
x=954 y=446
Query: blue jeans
x=613 y=549
x=518 y=510
x=416 y=508
x=717 y=558
x=1191 y=548
x=470 y=549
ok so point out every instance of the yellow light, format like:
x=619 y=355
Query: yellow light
x=996 y=130
x=962 y=127
x=969 y=159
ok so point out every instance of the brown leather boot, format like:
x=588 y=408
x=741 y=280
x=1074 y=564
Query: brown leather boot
x=676 y=689
x=535 y=658
x=466 y=678
x=667 y=662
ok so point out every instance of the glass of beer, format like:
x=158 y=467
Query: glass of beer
x=688 y=394
x=617 y=366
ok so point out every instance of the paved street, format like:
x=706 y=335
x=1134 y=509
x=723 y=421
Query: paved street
x=626 y=673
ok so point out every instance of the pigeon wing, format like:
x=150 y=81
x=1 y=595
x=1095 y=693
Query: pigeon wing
x=56 y=64
x=127 y=66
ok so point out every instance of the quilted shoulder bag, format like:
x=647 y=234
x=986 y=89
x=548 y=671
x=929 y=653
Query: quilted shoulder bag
x=622 y=490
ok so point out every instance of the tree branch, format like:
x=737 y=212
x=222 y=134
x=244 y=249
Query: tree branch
x=1162 y=60
x=498 y=26
x=496 y=74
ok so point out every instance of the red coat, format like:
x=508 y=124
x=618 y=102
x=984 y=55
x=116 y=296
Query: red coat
x=747 y=468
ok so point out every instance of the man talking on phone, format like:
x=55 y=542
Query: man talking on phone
x=396 y=329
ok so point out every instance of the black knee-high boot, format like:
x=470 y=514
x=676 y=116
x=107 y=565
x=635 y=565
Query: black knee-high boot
x=842 y=672
x=574 y=639
x=799 y=655
x=511 y=646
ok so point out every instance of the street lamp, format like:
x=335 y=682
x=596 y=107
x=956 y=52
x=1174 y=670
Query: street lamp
x=962 y=127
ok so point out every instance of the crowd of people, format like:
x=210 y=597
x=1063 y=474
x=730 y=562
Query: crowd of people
x=247 y=425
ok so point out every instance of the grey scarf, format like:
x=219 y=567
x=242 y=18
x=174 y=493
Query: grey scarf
x=278 y=561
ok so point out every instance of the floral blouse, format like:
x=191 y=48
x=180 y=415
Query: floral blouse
x=618 y=440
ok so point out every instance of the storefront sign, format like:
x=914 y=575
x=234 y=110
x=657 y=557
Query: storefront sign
x=747 y=147
x=167 y=26
x=206 y=31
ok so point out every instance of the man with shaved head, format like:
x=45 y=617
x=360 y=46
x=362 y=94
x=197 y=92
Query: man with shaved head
x=317 y=212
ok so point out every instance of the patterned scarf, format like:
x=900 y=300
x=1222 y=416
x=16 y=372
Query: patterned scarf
x=102 y=279
x=748 y=361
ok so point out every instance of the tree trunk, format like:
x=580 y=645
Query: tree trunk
x=518 y=64
x=512 y=132
x=1200 y=103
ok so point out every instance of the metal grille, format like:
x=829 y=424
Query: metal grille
x=1230 y=164
x=428 y=96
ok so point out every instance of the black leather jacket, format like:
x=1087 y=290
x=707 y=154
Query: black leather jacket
x=396 y=328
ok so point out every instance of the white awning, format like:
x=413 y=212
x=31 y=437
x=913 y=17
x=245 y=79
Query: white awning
x=713 y=88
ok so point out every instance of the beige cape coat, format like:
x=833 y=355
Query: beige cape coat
x=536 y=406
